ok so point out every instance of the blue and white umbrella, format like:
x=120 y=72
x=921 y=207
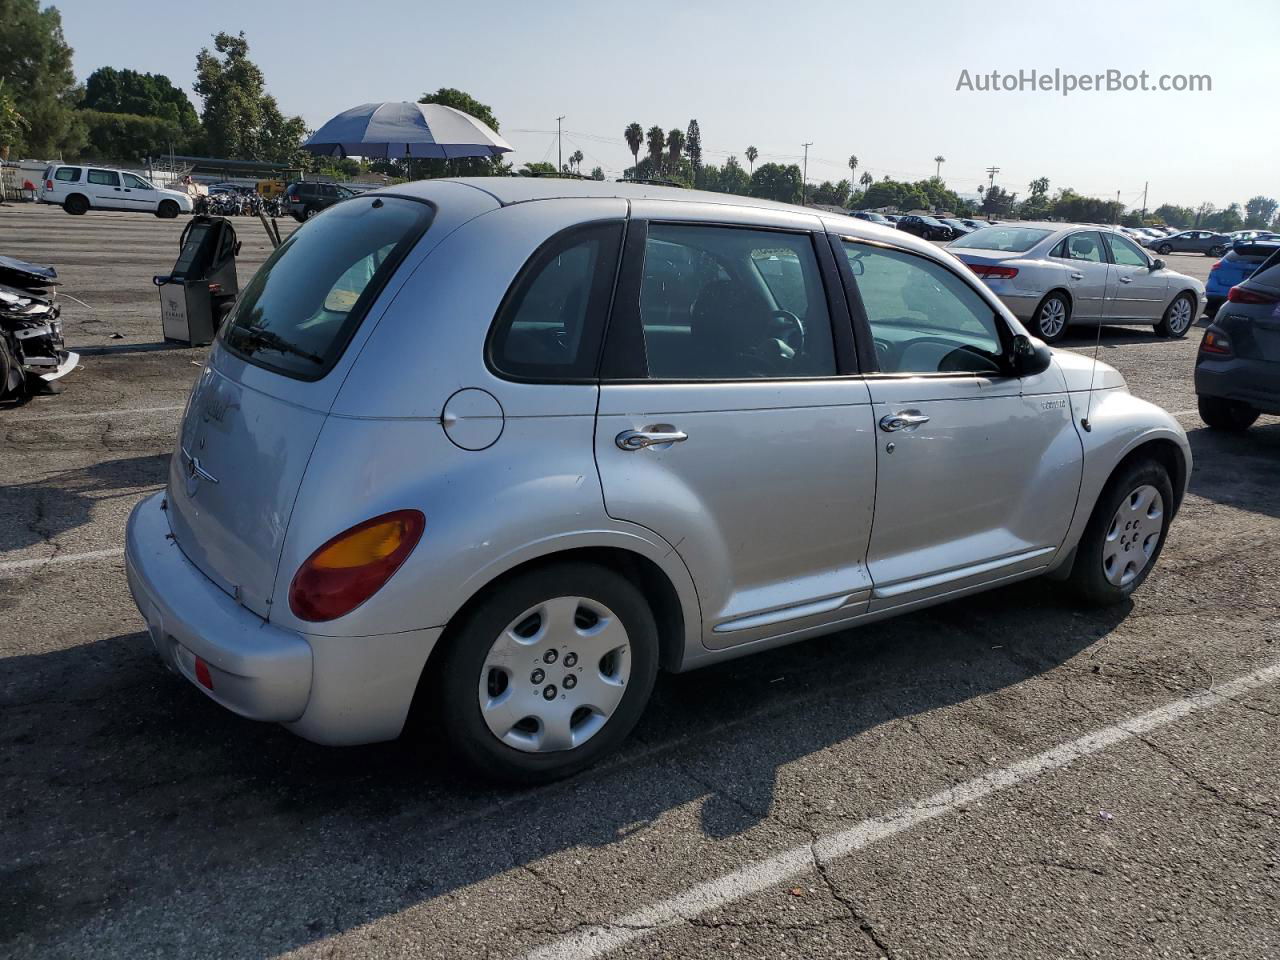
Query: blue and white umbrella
x=398 y=128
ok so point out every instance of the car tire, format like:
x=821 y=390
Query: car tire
x=1052 y=317
x=1164 y=249
x=464 y=678
x=76 y=204
x=1229 y=415
x=309 y=213
x=1213 y=305
x=1113 y=558
x=1216 y=251
x=1178 y=317
x=168 y=210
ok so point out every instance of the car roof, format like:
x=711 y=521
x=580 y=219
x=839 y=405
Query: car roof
x=510 y=190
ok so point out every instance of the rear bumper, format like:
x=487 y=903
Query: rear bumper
x=330 y=690
x=1254 y=382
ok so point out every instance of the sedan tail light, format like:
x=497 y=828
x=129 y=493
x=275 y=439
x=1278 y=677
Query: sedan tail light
x=1216 y=343
x=353 y=566
x=989 y=272
x=48 y=184
x=1243 y=295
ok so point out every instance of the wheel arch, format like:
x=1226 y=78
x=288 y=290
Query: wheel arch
x=1165 y=452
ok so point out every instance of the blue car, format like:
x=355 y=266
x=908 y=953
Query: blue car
x=1236 y=265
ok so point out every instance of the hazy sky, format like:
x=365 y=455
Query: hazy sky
x=876 y=79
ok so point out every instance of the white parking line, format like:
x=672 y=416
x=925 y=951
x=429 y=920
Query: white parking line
x=756 y=877
x=40 y=418
x=13 y=566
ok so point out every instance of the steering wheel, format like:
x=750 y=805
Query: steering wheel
x=789 y=329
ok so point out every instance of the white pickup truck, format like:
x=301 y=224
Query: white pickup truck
x=80 y=188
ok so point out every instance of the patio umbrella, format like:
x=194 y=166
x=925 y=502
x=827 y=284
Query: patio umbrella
x=398 y=128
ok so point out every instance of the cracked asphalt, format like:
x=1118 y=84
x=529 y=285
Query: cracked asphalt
x=139 y=819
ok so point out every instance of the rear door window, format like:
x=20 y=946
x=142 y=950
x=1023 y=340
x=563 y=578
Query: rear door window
x=299 y=312
x=550 y=324
x=104 y=178
x=67 y=174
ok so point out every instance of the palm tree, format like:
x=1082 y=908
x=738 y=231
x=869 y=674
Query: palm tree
x=675 y=146
x=575 y=161
x=866 y=180
x=853 y=164
x=752 y=153
x=939 y=160
x=635 y=137
x=657 y=141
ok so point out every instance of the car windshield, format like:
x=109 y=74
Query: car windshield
x=303 y=305
x=1006 y=239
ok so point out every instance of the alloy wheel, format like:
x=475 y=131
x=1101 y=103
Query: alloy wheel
x=1053 y=317
x=553 y=678
x=1133 y=536
x=1180 y=316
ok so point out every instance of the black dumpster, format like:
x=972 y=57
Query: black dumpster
x=198 y=293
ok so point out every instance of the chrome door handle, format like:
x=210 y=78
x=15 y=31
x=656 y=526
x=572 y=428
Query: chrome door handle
x=1126 y=279
x=905 y=420
x=1077 y=276
x=639 y=439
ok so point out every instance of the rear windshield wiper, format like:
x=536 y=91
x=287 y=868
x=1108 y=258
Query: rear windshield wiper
x=253 y=338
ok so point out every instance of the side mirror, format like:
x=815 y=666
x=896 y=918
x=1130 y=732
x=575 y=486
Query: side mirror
x=1157 y=264
x=1028 y=356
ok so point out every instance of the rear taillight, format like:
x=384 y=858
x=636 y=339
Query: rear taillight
x=349 y=569
x=1216 y=343
x=988 y=272
x=1215 y=266
x=1243 y=295
x=48 y=184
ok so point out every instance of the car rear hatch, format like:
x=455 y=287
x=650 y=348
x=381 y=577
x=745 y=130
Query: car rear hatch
x=256 y=411
x=1251 y=318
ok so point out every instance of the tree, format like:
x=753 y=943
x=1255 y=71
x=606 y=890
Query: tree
x=240 y=119
x=541 y=169
x=997 y=200
x=35 y=63
x=773 y=181
x=1072 y=206
x=151 y=95
x=575 y=161
x=597 y=173
x=129 y=136
x=675 y=149
x=831 y=194
x=657 y=142
x=634 y=135
x=853 y=164
x=462 y=166
x=1259 y=212
x=752 y=153
x=939 y=160
x=693 y=150
x=1174 y=216
x=866 y=180
x=12 y=123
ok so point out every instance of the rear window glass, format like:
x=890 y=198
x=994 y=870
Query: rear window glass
x=68 y=174
x=1008 y=239
x=104 y=178
x=301 y=308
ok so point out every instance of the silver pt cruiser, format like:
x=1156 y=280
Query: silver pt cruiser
x=496 y=451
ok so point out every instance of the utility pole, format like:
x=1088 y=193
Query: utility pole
x=1144 y=200
x=804 y=186
x=559 y=149
x=991 y=177
x=1117 y=206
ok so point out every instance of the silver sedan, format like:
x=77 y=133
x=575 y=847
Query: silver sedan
x=1052 y=275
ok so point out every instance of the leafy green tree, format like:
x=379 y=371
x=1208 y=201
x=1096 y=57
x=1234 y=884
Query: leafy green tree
x=657 y=141
x=773 y=181
x=1071 y=206
x=109 y=90
x=1174 y=216
x=597 y=173
x=1259 y=212
x=462 y=166
x=751 y=155
x=1231 y=218
x=241 y=120
x=35 y=64
x=693 y=150
x=831 y=194
x=634 y=135
x=12 y=123
x=537 y=170
x=129 y=136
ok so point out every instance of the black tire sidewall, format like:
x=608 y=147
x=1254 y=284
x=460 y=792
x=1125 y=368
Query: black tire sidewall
x=1091 y=583
x=76 y=205
x=467 y=643
x=1164 y=329
x=1035 y=318
x=1229 y=415
x=168 y=210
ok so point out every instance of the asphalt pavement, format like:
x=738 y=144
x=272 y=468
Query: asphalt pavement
x=1006 y=776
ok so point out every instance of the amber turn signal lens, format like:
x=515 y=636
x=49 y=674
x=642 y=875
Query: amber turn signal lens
x=350 y=568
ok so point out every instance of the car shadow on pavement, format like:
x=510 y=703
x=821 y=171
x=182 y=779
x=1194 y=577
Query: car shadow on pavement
x=63 y=500
x=137 y=811
x=1238 y=469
